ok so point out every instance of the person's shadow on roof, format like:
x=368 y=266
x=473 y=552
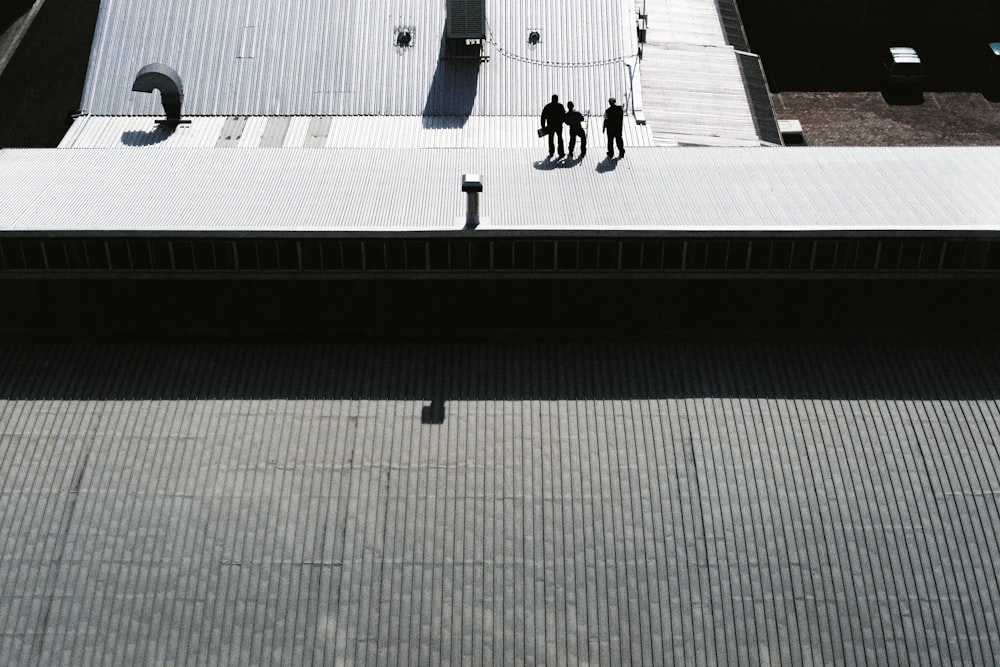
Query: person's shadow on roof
x=606 y=165
x=549 y=163
x=452 y=93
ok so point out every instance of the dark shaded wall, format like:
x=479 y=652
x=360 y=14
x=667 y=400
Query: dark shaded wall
x=511 y=308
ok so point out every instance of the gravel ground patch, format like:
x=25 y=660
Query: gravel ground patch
x=866 y=119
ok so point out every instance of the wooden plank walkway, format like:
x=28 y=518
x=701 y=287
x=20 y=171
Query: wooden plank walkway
x=491 y=504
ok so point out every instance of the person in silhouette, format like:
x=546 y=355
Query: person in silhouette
x=553 y=115
x=614 y=118
x=575 y=121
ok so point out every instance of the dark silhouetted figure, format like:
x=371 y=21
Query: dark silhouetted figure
x=552 y=120
x=614 y=118
x=575 y=121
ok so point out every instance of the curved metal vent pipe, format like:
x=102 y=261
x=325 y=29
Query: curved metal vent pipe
x=166 y=79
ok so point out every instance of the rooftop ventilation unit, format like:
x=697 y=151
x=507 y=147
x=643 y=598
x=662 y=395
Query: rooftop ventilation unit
x=466 y=19
x=465 y=30
x=157 y=76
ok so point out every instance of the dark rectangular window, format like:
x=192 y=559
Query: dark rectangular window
x=503 y=255
x=331 y=257
x=459 y=253
x=715 y=255
x=76 y=254
x=246 y=253
x=673 y=255
x=545 y=255
x=652 y=255
x=930 y=254
x=867 y=255
x=139 y=254
x=802 y=253
x=736 y=259
x=225 y=255
x=695 y=255
x=267 y=255
x=909 y=254
x=567 y=255
x=480 y=255
x=438 y=255
x=288 y=255
x=608 y=257
x=524 y=255
x=631 y=255
x=183 y=255
x=119 y=254
x=993 y=256
x=975 y=255
x=847 y=255
x=55 y=253
x=954 y=255
x=760 y=255
x=888 y=257
x=204 y=256
x=353 y=255
x=374 y=255
x=312 y=255
x=395 y=255
x=826 y=255
x=416 y=255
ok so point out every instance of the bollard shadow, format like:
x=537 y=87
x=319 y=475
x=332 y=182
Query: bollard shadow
x=452 y=93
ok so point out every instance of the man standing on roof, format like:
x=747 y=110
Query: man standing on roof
x=575 y=121
x=552 y=121
x=614 y=118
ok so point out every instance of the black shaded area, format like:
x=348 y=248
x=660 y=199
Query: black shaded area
x=815 y=45
x=501 y=309
x=11 y=10
x=759 y=96
x=43 y=83
x=453 y=90
x=902 y=96
x=435 y=373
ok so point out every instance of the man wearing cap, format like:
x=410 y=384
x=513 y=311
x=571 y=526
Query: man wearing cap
x=552 y=121
x=613 y=120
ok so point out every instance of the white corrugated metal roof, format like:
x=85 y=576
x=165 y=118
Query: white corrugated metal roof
x=254 y=57
x=326 y=132
x=652 y=189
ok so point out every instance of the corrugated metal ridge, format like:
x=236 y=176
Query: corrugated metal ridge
x=362 y=189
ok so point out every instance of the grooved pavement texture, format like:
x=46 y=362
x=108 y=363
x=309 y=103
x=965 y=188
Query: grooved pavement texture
x=499 y=504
